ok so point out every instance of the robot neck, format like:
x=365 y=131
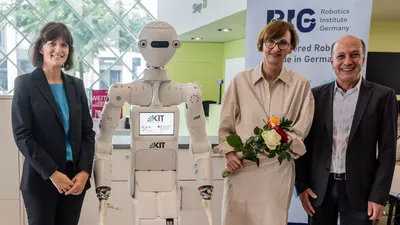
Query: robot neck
x=155 y=74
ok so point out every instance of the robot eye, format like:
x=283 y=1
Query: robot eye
x=143 y=43
x=159 y=44
x=176 y=44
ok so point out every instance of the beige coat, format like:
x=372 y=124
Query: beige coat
x=255 y=196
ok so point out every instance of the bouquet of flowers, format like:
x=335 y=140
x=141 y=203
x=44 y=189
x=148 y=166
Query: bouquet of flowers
x=271 y=140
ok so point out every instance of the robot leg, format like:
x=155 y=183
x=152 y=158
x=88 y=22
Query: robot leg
x=156 y=198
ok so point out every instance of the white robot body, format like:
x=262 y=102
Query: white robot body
x=155 y=130
x=119 y=93
x=153 y=174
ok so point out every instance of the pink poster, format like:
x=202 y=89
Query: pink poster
x=99 y=98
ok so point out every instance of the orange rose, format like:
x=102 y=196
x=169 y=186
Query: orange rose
x=273 y=122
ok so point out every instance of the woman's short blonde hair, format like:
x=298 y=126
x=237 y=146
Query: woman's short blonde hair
x=276 y=29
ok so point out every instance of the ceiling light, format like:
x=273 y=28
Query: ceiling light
x=197 y=38
x=225 y=30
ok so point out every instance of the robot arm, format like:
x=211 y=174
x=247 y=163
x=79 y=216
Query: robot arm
x=117 y=95
x=200 y=147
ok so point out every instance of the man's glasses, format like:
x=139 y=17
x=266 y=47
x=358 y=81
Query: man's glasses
x=282 y=44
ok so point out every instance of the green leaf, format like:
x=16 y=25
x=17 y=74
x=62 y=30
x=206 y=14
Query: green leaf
x=234 y=141
x=248 y=151
x=271 y=155
x=288 y=156
x=257 y=130
x=281 y=157
x=253 y=158
x=285 y=123
x=285 y=147
x=251 y=140
x=266 y=127
x=250 y=157
x=238 y=150
x=259 y=150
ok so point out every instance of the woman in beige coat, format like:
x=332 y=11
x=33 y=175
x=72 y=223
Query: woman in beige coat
x=252 y=195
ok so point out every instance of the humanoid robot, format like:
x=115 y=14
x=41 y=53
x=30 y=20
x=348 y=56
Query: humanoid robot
x=155 y=128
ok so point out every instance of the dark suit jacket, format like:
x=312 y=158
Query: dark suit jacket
x=39 y=133
x=374 y=127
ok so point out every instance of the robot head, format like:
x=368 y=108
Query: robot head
x=158 y=42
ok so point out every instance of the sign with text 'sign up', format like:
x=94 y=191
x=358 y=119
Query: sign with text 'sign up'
x=318 y=24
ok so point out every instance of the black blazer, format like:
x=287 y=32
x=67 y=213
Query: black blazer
x=39 y=133
x=374 y=126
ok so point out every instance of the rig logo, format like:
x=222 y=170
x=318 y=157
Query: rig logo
x=305 y=22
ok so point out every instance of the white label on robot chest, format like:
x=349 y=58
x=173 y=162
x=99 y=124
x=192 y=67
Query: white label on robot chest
x=156 y=124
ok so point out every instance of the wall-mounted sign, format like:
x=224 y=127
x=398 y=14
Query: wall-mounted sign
x=197 y=7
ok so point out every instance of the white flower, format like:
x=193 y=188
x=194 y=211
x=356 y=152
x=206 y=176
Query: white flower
x=271 y=138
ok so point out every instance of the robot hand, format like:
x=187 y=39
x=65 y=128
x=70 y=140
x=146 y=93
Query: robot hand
x=103 y=193
x=206 y=192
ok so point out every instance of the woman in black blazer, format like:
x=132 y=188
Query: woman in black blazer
x=52 y=128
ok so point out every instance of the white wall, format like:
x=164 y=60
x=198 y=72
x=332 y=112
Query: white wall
x=232 y=68
x=183 y=17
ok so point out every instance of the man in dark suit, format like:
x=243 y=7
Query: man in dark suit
x=351 y=147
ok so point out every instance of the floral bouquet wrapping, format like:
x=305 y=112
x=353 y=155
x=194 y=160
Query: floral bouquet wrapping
x=271 y=140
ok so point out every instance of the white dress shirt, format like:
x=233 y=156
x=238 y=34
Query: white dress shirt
x=344 y=105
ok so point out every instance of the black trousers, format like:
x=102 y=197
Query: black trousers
x=48 y=207
x=336 y=203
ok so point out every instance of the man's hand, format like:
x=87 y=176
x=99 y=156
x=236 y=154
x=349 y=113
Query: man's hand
x=79 y=183
x=375 y=210
x=232 y=161
x=61 y=182
x=305 y=201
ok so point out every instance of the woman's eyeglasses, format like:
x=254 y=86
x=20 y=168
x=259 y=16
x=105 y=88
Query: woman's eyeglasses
x=282 y=44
